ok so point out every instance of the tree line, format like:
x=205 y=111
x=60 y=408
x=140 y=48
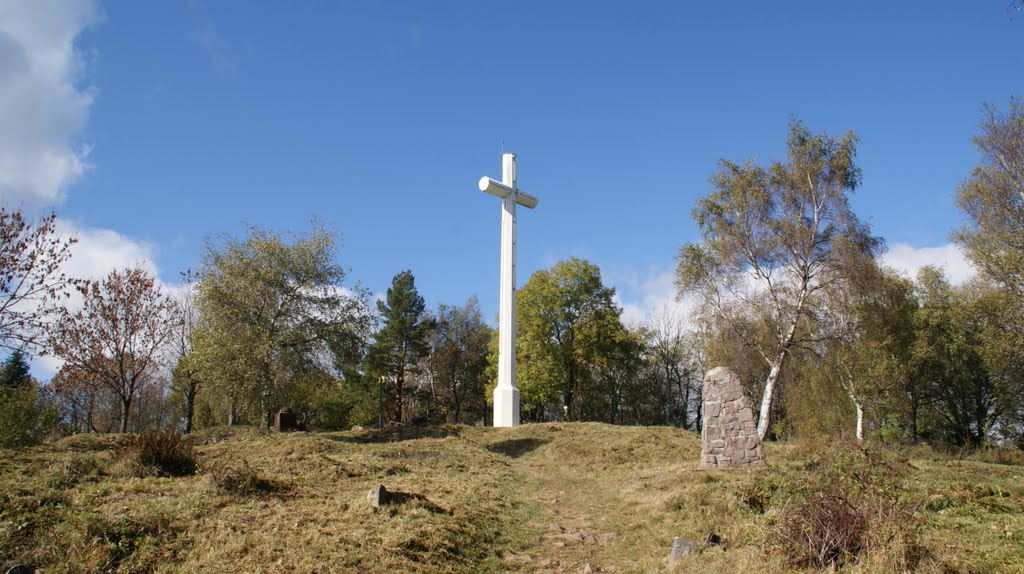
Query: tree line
x=789 y=293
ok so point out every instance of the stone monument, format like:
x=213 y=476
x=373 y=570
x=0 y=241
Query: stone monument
x=506 y=394
x=285 y=420
x=728 y=436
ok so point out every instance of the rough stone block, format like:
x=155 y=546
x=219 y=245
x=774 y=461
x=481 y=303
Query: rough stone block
x=729 y=436
x=681 y=547
x=377 y=496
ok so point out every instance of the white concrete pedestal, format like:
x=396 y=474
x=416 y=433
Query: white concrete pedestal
x=506 y=406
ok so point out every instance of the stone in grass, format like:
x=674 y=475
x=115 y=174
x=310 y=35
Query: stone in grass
x=377 y=496
x=681 y=547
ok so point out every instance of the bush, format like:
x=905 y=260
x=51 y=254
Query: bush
x=849 y=507
x=763 y=493
x=166 y=454
x=25 y=417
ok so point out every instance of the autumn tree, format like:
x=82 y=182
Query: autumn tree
x=272 y=310
x=992 y=197
x=82 y=402
x=990 y=395
x=773 y=238
x=33 y=285
x=403 y=337
x=115 y=341
x=457 y=361
x=996 y=315
x=570 y=343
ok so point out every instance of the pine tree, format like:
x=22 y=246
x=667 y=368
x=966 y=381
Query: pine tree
x=402 y=339
x=14 y=372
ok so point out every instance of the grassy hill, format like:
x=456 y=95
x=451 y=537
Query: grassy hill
x=536 y=498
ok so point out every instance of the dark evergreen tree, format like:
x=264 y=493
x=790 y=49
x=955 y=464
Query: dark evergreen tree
x=14 y=372
x=403 y=337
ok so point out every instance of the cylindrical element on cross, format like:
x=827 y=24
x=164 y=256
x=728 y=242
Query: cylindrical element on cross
x=495 y=188
x=498 y=189
x=525 y=199
x=508 y=169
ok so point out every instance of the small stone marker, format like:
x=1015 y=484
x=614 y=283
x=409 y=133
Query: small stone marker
x=728 y=435
x=681 y=547
x=377 y=496
x=285 y=420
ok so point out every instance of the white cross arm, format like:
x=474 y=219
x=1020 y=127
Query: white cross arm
x=498 y=189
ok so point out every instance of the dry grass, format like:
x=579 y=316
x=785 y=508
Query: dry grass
x=537 y=498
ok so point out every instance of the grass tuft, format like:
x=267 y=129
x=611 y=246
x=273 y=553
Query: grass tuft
x=238 y=479
x=159 y=454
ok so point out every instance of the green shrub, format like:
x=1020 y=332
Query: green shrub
x=763 y=493
x=25 y=417
x=168 y=454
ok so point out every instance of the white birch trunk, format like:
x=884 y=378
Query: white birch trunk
x=857 y=404
x=860 y=419
x=766 y=400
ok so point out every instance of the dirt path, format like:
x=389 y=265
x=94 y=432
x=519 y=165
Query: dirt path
x=571 y=541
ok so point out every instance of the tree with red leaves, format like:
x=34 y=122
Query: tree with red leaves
x=116 y=340
x=33 y=286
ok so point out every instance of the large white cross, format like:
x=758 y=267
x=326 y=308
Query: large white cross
x=506 y=394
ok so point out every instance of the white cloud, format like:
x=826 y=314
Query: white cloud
x=44 y=105
x=42 y=108
x=100 y=251
x=643 y=298
x=908 y=259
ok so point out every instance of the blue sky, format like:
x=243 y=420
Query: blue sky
x=177 y=120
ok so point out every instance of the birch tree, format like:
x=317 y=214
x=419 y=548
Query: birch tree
x=272 y=309
x=774 y=237
x=864 y=332
x=185 y=378
x=993 y=199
